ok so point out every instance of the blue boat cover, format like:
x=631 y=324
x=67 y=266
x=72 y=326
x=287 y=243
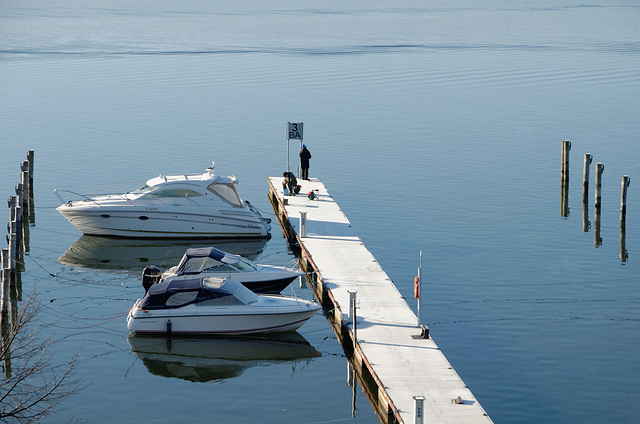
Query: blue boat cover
x=199 y=289
x=206 y=254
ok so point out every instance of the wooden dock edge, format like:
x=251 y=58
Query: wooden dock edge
x=369 y=381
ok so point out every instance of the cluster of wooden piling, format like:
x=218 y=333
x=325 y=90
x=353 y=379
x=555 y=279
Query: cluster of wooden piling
x=21 y=215
x=586 y=225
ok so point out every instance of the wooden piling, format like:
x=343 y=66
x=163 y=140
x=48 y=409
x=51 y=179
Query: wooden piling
x=599 y=171
x=623 y=198
x=4 y=293
x=585 y=175
x=566 y=147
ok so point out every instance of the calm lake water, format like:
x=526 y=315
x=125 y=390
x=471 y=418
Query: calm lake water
x=437 y=127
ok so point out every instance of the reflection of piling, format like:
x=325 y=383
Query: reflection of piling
x=564 y=199
x=586 y=224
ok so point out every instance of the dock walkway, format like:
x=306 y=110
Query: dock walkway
x=388 y=353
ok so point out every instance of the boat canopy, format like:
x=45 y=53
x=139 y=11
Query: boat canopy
x=199 y=259
x=176 y=293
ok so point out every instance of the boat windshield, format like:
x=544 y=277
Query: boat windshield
x=197 y=265
x=245 y=266
x=245 y=295
x=173 y=192
x=227 y=192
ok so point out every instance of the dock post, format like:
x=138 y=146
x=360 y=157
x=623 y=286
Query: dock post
x=4 y=298
x=418 y=409
x=352 y=312
x=626 y=181
x=352 y=304
x=624 y=255
x=303 y=224
x=566 y=147
x=585 y=178
x=30 y=158
x=564 y=177
x=4 y=313
x=599 y=171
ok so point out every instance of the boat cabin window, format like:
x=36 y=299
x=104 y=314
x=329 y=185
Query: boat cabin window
x=173 y=192
x=221 y=301
x=226 y=192
x=182 y=298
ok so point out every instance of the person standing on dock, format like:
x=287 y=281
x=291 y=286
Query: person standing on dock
x=305 y=155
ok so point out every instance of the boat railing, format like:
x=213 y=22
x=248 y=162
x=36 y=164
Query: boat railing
x=89 y=193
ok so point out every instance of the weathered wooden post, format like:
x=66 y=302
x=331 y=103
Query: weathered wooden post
x=4 y=293
x=564 y=193
x=626 y=181
x=30 y=159
x=31 y=211
x=5 y=339
x=624 y=255
x=597 y=240
x=599 y=171
x=566 y=147
x=25 y=181
x=585 y=178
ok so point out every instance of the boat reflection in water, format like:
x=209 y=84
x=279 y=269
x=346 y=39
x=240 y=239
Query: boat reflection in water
x=202 y=359
x=121 y=254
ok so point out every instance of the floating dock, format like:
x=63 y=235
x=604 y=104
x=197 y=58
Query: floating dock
x=404 y=374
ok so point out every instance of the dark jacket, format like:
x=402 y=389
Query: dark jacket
x=305 y=155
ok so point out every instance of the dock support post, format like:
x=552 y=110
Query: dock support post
x=626 y=181
x=566 y=147
x=599 y=171
x=564 y=194
x=418 y=409
x=624 y=255
x=4 y=296
x=352 y=314
x=585 y=178
x=303 y=224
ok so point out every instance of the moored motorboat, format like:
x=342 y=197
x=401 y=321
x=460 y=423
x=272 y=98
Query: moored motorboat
x=214 y=305
x=185 y=206
x=210 y=261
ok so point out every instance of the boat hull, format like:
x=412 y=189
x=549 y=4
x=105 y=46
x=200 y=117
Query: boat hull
x=194 y=319
x=129 y=221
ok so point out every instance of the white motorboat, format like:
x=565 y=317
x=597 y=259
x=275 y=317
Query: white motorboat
x=214 y=305
x=209 y=261
x=186 y=206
